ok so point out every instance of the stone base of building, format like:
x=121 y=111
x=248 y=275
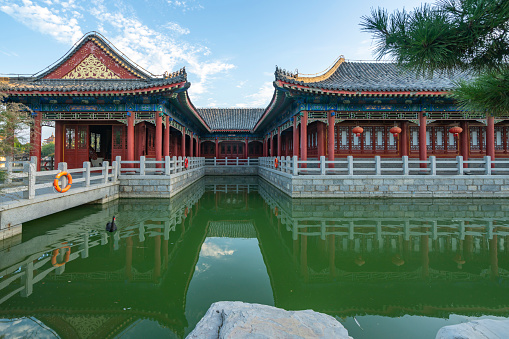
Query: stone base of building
x=157 y=186
x=388 y=186
x=231 y=170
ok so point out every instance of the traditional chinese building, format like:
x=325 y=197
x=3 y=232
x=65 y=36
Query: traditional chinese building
x=103 y=105
x=321 y=113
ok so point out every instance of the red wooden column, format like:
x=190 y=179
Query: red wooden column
x=59 y=142
x=264 y=147
x=130 y=138
x=464 y=142
x=423 y=151
x=159 y=138
x=217 y=148
x=279 y=141
x=183 y=142
x=304 y=137
x=129 y=258
x=490 y=136
x=403 y=139
x=166 y=143
x=35 y=139
x=331 y=136
x=271 y=144
x=296 y=147
x=321 y=139
x=198 y=145
x=191 y=150
x=157 y=255
x=245 y=149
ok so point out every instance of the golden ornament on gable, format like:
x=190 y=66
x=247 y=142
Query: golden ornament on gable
x=91 y=68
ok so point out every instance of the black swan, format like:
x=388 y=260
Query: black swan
x=111 y=226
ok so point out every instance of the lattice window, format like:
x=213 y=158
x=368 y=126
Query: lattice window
x=380 y=138
x=499 y=138
x=356 y=141
x=82 y=137
x=476 y=138
x=392 y=144
x=429 y=142
x=342 y=138
x=414 y=138
x=439 y=137
x=368 y=138
x=70 y=138
x=452 y=141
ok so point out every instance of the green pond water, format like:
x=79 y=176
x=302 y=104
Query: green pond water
x=385 y=268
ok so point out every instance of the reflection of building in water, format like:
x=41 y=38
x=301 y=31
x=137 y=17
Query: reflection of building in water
x=342 y=257
x=232 y=229
x=153 y=246
x=387 y=256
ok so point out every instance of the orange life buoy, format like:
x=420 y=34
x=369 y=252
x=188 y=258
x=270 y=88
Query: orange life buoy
x=66 y=257
x=57 y=186
x=276 y=162
x=186 y=163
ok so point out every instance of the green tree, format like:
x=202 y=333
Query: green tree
x=451 y=36
x=15 y=119
x=48 y=150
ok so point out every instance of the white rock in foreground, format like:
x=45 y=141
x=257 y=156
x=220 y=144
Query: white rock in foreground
x=235 y=319
x=482 y=329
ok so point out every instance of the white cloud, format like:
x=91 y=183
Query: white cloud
x=156 y=51
x=209 y=249
x=261 y=98
x=173 y=26
x=63 y=27
x=185 y=5
x=241 y=84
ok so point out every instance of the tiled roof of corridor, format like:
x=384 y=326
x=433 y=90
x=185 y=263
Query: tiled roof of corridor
x=377 y=76
x=231 y=119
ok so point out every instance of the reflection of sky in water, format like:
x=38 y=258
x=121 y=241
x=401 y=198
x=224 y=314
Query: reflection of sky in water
x=228 y=269
x=210 y=249
x=25 y=328
x=147 y=329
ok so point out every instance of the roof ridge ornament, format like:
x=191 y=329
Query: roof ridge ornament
x=307 y=78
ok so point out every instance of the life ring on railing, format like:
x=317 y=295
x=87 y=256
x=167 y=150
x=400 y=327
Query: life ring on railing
x=66 y=257
x=186 y=163
x=276 y=162
x=57 y=186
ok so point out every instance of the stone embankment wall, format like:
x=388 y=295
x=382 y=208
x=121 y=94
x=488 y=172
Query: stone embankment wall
x=157 y=186
x=393 y=186
x=231 y=170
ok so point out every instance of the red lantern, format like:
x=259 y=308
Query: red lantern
x=455 y=130
x=358 y=131
x=395 y=131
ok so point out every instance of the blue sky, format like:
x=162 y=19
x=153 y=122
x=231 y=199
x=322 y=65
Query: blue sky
x=229 y=48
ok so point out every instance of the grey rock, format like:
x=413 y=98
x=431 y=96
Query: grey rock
x=235 y=319
x=477 y=329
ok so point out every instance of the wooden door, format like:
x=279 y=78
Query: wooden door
x=118 y=142
x=76 y=145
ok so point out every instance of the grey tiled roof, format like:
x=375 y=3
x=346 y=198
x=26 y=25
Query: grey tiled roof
x=231 y=119
x=377 y=76
x=33 y=84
